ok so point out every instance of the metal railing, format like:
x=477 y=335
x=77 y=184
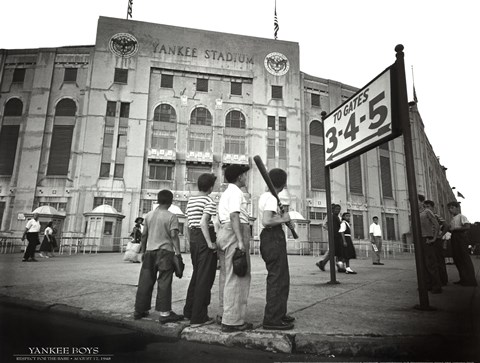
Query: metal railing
x=363 y=248
x=12 y=244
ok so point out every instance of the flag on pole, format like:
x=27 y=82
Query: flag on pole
x=129 y=11
x=460 y=195
x=414 y=92
x=275 y=22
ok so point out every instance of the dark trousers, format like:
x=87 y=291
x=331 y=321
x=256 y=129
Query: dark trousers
x=431 y=265
x=462 y=259
x=157 y=266
x=442 y=268
x=33 y=241
x=273 y=248
x=204 y=261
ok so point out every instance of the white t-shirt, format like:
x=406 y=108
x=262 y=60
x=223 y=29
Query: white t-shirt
x=458 y=222
x=267 y=202
x=343 y=227
x=375 y=230
x=33 y=226
x=48 y=231
x=232 y=200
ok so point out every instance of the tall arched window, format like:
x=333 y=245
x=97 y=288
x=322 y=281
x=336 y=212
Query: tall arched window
x=201 y=116
x=235 y=119
x=9 y=136
x=62 y=134
x=66 y=107
x=317 y=156
x=163 y=137
x=13 y=107
x=164 y=113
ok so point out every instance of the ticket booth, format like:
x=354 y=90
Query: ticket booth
x=104 y=229
x=48 y=214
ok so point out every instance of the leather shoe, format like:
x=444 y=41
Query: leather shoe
x=321 y=265
x=140 y=314
x=378 y=263
x=235 y=328
x=278 y=326
x=172 y=318
x=288 y=319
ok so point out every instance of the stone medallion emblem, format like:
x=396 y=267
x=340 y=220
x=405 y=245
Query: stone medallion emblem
x=277 y=64
x=123 y=44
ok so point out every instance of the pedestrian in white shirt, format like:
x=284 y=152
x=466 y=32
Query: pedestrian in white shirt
x=376 y=239
x=32 y=229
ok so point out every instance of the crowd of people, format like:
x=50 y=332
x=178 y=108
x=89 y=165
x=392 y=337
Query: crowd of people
x=155 y=241
x=228 y=243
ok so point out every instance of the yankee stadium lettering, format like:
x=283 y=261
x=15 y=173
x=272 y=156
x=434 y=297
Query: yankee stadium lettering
x=192 y=52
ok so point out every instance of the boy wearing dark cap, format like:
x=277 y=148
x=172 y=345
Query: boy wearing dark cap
x=273 y=248
x=234 y=233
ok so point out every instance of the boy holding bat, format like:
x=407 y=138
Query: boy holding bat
x=273 y=248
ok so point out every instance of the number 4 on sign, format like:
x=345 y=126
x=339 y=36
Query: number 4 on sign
x=351 y=129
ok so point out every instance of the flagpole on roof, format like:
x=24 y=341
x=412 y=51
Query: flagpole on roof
x=414 y=92
x=275 y=22
x=129 y=9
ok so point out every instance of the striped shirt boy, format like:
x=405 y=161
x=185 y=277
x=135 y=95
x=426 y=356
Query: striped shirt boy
x=196 y=207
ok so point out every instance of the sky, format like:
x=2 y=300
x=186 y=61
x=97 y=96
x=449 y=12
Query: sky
x=349 y=41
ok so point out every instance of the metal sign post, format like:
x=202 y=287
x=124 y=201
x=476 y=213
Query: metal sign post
x=374 y=115
x=411 y=179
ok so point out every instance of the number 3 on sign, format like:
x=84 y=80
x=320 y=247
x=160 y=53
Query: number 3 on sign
x=377 y=114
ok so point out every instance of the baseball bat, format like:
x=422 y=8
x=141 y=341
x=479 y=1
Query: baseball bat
x=263 y=170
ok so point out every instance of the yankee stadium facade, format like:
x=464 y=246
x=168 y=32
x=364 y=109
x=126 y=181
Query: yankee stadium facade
x=151 y=107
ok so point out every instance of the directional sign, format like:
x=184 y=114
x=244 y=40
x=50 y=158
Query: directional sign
x=361 y=123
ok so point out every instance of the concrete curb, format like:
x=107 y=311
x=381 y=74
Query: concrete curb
x=272 y=342
x=296 y=343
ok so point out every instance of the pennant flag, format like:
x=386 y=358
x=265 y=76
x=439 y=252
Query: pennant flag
x=460 y=195
x=275 y=22
x=129 y=11
x=414 y=92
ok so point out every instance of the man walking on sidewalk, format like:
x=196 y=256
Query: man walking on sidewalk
x=336 y=208
x=31 y=232
x=376 y=239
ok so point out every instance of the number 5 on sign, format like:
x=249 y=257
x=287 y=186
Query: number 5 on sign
x=361 y=123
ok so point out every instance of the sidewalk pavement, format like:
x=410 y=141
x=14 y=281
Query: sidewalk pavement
x=370 y=314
